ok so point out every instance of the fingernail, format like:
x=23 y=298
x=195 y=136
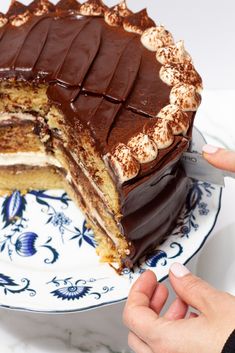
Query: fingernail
x=209 y=149
x=179 y=270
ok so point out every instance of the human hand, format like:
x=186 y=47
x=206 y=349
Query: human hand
x=219 y=157
x=175 y=331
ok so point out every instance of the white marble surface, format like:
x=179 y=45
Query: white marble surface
x=101 y=330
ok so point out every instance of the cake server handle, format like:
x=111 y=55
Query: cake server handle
x=198 y=168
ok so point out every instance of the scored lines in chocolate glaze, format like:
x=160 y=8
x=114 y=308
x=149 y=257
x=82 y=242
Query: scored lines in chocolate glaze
x=86 y=55
x=98 y=72
x=110 y=61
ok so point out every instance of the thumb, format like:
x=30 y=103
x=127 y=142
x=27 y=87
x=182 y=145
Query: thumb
x=219 y=157
x=192 y=290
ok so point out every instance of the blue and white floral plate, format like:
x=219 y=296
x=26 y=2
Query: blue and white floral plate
x=48 y=261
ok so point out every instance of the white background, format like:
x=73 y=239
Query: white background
x=208 y=28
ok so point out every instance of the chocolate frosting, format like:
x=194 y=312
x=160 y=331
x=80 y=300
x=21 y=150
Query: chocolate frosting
x=104 y=80
x=149 y=227
x=138 y=21
x=71 y=6
x=93 y=7
x=41 y=7
x=16 y=9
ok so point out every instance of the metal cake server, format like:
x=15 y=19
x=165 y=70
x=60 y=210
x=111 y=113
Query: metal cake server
x=198 y=168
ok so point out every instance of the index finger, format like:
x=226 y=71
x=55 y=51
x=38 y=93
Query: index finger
x=219 y=157
x=138 y=316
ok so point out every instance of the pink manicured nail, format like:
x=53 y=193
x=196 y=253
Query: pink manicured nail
x=209 y=149
x=179 y=270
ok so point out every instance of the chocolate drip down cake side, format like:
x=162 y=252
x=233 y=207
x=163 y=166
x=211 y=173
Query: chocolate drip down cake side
x=99 y=101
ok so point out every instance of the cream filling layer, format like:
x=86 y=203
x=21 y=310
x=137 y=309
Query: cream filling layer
x=89 y=177
x=41 y=159
x=28 y=158
x=96 y=216
x=21 y=116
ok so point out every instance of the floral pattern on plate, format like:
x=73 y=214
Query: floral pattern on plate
x=47 y=254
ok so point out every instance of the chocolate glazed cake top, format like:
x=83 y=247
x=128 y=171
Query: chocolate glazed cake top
x=103 y=75
x=124 y=79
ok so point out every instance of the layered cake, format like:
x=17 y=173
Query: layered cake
x=99 y=101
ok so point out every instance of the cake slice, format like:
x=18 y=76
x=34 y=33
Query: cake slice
x=99 y=101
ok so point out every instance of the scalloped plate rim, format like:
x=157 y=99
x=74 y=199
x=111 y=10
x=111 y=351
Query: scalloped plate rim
x=110 y=302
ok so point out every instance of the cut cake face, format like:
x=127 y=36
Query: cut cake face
x=99 y=101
